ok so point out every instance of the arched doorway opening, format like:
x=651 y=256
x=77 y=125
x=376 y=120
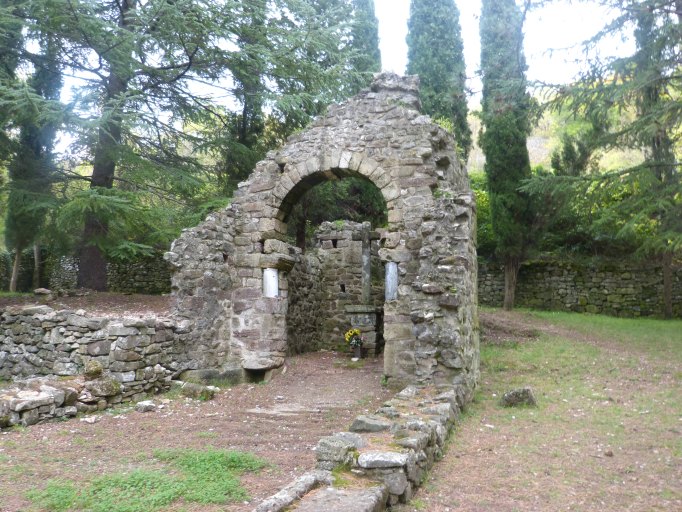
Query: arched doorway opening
x=337 y=282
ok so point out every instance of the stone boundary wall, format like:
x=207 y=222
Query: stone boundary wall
x=617 y=289
x=140 y=353
x=149 y=275
x=391 y=450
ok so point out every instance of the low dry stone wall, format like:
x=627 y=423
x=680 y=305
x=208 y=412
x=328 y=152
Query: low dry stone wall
x=625 y=290
x=146 y=275
x=140 y=354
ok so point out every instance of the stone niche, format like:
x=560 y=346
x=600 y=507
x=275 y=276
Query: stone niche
x=224 y=269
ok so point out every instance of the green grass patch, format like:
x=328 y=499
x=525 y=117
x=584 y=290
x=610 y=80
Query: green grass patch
x=205 y=477
x=659 y=338
x=4 y=295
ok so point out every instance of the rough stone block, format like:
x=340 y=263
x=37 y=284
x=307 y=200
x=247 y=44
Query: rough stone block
x=370 y=424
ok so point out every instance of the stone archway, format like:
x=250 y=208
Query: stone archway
x=430 y=323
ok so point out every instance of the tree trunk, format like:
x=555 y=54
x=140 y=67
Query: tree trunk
x=15 y=270
x=511 y=272
x=36 y=265
x=667 y=285
x=92 y=268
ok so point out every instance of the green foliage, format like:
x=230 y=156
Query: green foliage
x=365 y=42
x=149 y=70
x=647 y=197
x=485 y=239
x=206 y=477
x=355 y=199
x=505 y=117
x=436 y=54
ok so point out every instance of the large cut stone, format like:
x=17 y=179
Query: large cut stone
x=375 y=460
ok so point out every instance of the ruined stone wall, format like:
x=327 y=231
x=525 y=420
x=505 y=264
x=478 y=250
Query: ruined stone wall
x=323 y=282
x=305 y=315
x=341 y=260
x=150 y=275
x=202 y=292
x=139 y=353
x=617 y=289
x=431 y=330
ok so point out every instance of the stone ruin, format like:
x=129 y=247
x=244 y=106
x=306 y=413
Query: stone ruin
x=249 y=297
x=245 y=298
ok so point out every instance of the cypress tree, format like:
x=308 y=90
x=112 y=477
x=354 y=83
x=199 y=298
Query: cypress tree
x=505 y=119
x=435 y=52
x=365 y=41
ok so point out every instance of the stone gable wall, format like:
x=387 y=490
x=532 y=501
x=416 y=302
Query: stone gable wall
x=430 y=328
x=618 y=289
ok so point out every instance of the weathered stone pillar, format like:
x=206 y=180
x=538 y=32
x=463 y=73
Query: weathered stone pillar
x=366 y=237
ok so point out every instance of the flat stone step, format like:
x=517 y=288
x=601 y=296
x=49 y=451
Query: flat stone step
x=330 y=499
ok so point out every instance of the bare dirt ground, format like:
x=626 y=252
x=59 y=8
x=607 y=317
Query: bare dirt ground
x=99 y=303
x=280 y=421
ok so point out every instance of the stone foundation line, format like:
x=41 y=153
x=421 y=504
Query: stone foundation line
x=413 y=428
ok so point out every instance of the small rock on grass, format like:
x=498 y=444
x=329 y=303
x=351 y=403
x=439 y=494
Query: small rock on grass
x=518 y=397
x=145 y=406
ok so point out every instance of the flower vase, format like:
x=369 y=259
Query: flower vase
x=357 y=352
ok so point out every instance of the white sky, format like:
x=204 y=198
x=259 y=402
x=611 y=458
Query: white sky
x=556 y=27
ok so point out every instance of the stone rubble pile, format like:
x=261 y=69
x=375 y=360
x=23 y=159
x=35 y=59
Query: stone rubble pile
x=44 y=398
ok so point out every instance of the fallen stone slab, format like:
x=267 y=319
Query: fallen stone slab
x=329 y=499
x=372 y=460
x=295 y=491
x=26 y=399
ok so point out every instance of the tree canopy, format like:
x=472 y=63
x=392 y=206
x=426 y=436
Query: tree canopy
x=146 y=81
x=640 y=204
x=435 y=52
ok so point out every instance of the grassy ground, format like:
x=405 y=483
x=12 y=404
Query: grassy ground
x=204 y=477
x=606 y=436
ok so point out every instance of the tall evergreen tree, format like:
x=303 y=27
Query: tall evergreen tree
x=31 y=168
x=643 y=203
x=11 y=40
x=365 y=42
x=147 y=69
x=435 y=52
x=506 y=126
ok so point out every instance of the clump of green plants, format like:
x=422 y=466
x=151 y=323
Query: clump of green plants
x=206 y=477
